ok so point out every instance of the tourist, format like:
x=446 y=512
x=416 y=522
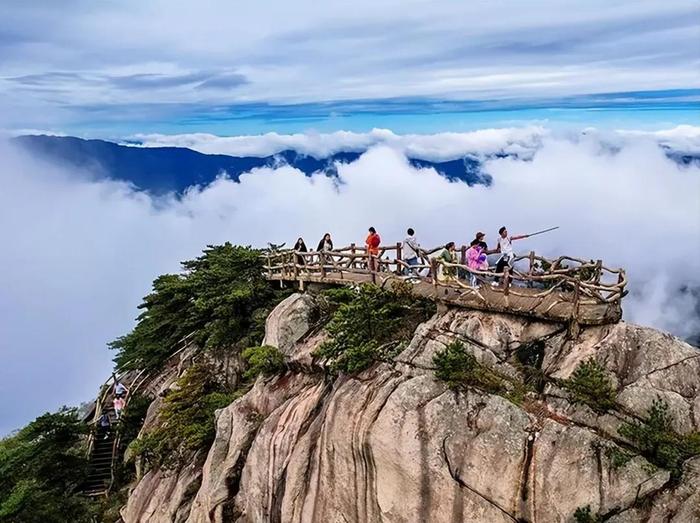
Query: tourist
x=447 y=255
x=118 y=406
x=412 y=252
x=479 y=238
x=505 y=248
x=120 y=390
x=300 y=246
x=476 y=259
x=104 y=425
x=325 y=245
x=372 y=244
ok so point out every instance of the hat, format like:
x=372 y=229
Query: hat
x=480 y=235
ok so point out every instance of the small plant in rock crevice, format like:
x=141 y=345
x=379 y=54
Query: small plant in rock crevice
x=456 y=367
x=589 y=384
x=584 y=515
x=659 y=443
x=618 y=457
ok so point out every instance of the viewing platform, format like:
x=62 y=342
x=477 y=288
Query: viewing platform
x=566 y=290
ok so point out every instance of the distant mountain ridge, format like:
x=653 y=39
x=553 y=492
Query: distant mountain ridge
x=162 y=170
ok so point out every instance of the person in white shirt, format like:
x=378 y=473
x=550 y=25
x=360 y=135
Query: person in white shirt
x=412 y=251
x=505 y=248
x=120 y=390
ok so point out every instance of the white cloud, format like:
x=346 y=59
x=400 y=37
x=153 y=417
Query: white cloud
x=78 y=254
x=437 y=147
x=682 y=138
x=520 y=141
x=301 y=51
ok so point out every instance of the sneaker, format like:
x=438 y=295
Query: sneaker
x=494 y=284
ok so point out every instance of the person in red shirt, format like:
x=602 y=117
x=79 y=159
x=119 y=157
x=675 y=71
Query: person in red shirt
x=372 y=242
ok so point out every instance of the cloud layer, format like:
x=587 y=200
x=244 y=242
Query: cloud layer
x=79 y=253
x=518 y=141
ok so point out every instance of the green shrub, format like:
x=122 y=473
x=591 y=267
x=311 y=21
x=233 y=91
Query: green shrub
x=222 y=297
x=371 y=324
x=618 y=457
x=186 y=421
x=42 y=469
x=589 y=384
x=584 y=515
x=265 y=360
x=456 y=367
x=659 y=443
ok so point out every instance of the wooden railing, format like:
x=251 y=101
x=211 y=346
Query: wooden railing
x=139 y=381
x=564 y=288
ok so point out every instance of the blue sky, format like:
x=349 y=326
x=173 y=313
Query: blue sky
x=113 y=69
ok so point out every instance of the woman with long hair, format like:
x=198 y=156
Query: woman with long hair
x=300 y=246
x=324 y=246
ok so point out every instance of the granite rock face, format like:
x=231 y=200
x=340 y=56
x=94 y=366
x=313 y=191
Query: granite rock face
x=393 y=444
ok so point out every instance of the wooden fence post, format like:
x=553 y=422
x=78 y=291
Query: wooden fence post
x=532 y=262
x=294 y=264
x=352 y=259
x=573 y=323
x=506 y=280
x=463 y=255
x=322 y=259
x=370 y=266
x=398 y=258
x=598 y=271
x=434 y=272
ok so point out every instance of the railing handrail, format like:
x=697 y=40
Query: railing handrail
x=564 y=272
x=134 y=386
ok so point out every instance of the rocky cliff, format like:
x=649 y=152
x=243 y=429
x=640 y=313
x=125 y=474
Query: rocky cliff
x=395 y=444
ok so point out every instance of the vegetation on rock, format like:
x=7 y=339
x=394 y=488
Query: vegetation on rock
x=186 y=420
x=456 y=367
x=371 y=324
x=584 y=515
x=42 y=468
x=659 y=443
x=590 y=384
x=264 y=360
x=221 y=297
x=618 y=457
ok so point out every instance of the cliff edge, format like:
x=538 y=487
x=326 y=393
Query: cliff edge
x=395 y=443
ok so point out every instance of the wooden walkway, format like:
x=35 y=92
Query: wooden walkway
x=566 y=290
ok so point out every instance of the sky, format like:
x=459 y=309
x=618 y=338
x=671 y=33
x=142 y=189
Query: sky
x=589 y=96
x=111 y=68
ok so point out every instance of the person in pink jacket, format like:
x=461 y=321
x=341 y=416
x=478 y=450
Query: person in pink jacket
x=119 y=404
x=476 y=260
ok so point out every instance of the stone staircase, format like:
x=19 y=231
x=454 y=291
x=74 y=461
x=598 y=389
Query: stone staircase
x=101 y=458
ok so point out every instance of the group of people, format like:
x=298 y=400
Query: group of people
x=476 y=255
x=104 y=423
x=325 y=245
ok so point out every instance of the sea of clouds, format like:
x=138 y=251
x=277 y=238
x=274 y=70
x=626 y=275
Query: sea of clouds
x=521 y=141
x=79 y=252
